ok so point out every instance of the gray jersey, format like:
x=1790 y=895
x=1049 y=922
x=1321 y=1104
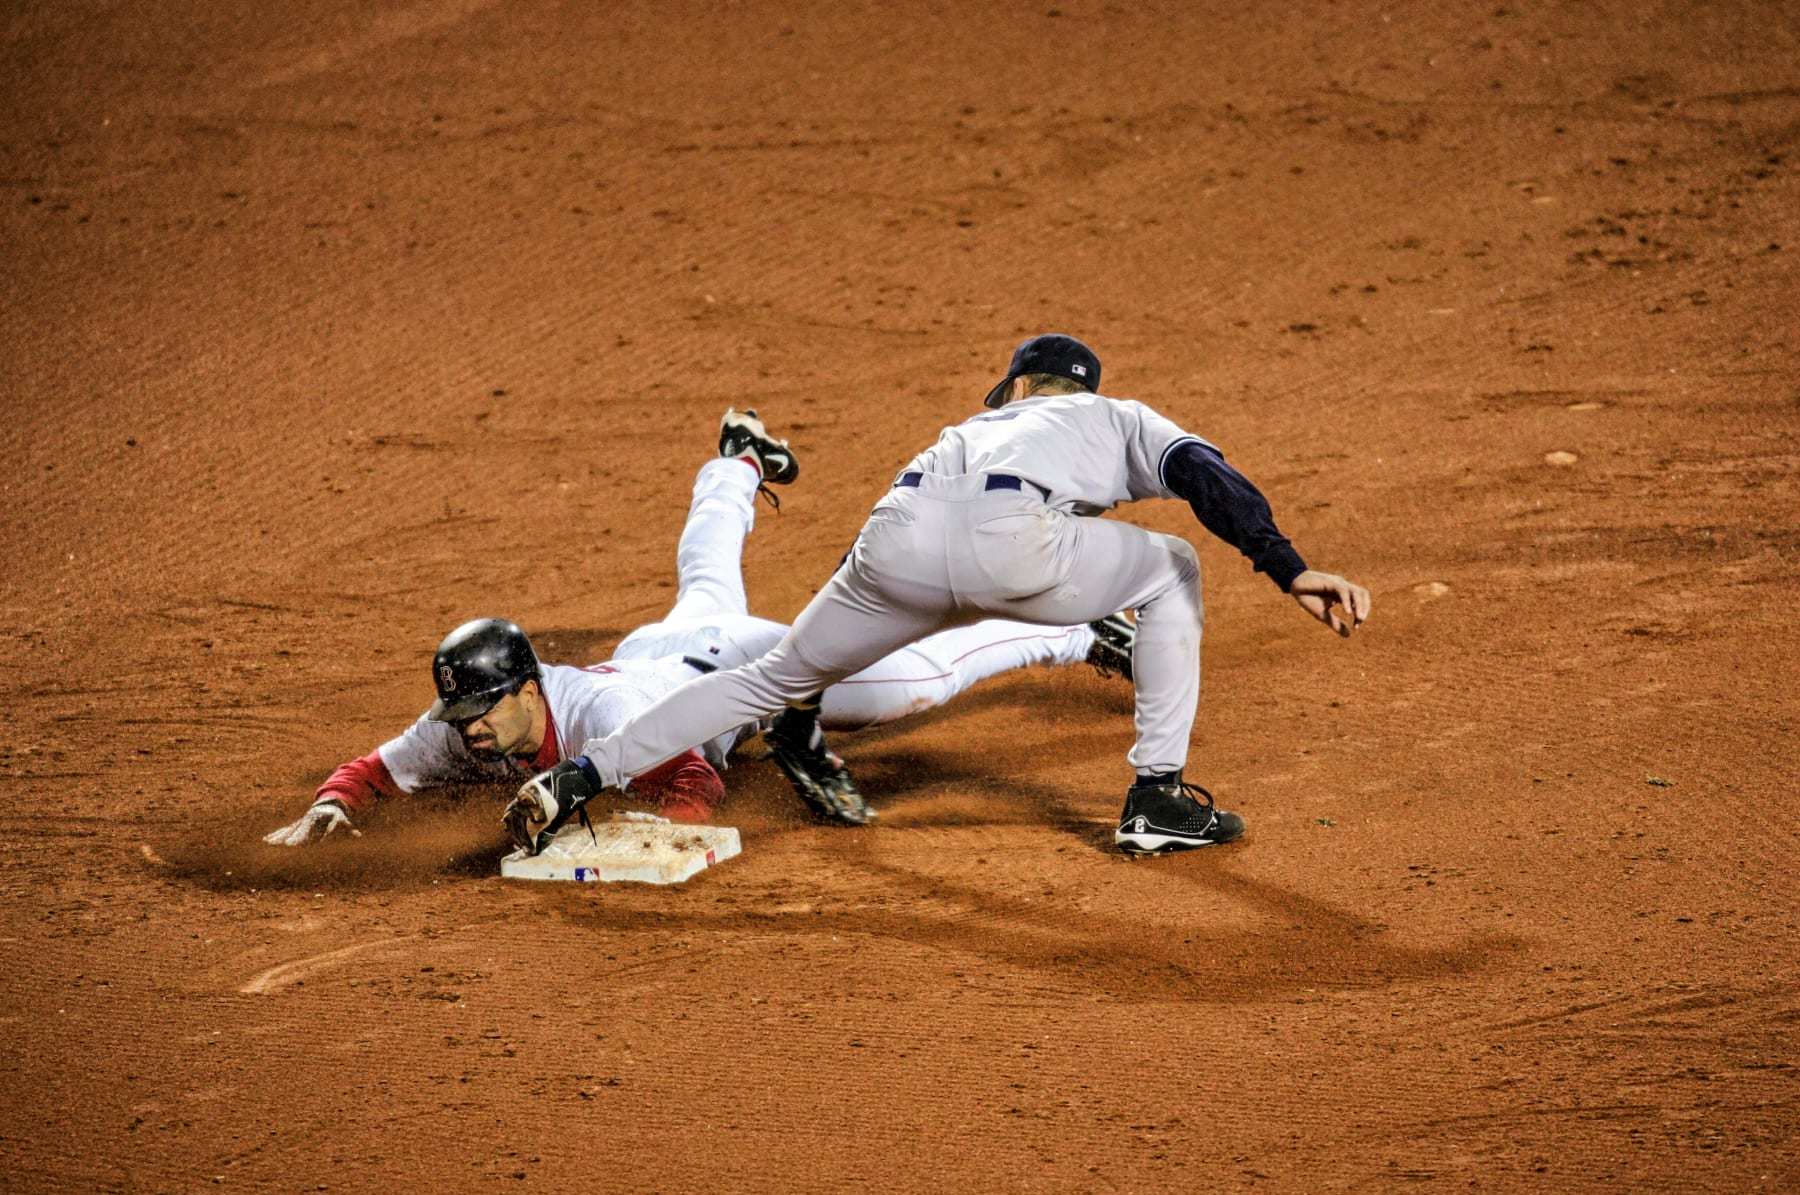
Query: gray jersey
x=1090 y=452
x=585 y=703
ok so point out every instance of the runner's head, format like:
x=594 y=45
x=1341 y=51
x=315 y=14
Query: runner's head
x=490 y=688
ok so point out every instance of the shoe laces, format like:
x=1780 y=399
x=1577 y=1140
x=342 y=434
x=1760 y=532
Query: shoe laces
x=1198 y=794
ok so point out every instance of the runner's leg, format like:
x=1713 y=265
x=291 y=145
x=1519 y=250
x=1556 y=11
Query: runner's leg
x=926 y=674
x=708 y=561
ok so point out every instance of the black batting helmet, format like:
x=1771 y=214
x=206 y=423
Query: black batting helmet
x=476 y=665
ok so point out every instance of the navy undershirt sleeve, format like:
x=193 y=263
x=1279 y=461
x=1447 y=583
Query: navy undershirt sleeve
x=1233 y=509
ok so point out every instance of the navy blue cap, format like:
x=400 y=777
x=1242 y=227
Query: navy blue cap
x=1051 y=353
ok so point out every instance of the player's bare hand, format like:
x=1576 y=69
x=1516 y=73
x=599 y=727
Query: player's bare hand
x=1340 y=604
x=324 y=819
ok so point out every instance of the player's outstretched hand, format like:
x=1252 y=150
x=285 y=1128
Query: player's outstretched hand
x=1340 y=604
x=322 y=820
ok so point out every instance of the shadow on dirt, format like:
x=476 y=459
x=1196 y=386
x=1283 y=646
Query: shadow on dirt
x=1189 y=927
x=1198 y=931
x=1291 y=941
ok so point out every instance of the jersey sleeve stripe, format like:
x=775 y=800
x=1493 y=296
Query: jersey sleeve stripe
x=1162 y=461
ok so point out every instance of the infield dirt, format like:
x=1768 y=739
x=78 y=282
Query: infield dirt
x=327 y=330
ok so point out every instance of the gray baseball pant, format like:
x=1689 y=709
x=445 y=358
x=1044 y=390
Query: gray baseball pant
x=947 y=552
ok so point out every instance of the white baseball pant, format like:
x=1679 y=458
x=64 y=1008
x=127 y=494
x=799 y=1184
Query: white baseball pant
x=944 y=553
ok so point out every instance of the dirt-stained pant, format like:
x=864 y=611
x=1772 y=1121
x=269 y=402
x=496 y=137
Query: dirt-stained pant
x=943 y=553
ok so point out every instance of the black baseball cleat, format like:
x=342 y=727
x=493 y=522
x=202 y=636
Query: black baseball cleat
x=819 y=777
x=1163 y=814
x=1114 y=636
x=742 y=433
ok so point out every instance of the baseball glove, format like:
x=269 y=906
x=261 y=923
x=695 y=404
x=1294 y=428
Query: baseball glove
x=551 y=798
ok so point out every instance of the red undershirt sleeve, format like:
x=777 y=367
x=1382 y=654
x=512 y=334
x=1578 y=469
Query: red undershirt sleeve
x=360 y=783
x=686 y=788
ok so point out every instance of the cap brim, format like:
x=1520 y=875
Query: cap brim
x=463 y=709
x=997 y=396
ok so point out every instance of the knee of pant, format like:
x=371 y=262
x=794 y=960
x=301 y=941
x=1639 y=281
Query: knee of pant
x=1187 y=560
x=938 y=681
x=916 y=696
x=1186 y=591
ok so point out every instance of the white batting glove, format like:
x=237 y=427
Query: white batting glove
x=323 y=819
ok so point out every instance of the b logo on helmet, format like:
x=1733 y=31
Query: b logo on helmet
x=446 y=679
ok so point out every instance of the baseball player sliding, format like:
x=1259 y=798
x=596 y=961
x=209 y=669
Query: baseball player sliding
x=501 y=714
x=995 y=519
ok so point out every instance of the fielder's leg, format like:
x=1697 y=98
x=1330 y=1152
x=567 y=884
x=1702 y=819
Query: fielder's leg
x=1106 y=564
x=1103 y=566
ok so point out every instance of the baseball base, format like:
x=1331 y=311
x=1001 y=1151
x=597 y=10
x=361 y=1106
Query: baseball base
x=636 y=851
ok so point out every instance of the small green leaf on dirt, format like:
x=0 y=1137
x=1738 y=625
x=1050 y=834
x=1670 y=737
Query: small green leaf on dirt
x=1658 y=782
x=1323 y=821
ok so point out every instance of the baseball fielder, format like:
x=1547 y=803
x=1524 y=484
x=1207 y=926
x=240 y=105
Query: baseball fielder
x=995 y=519
x=501 y=714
